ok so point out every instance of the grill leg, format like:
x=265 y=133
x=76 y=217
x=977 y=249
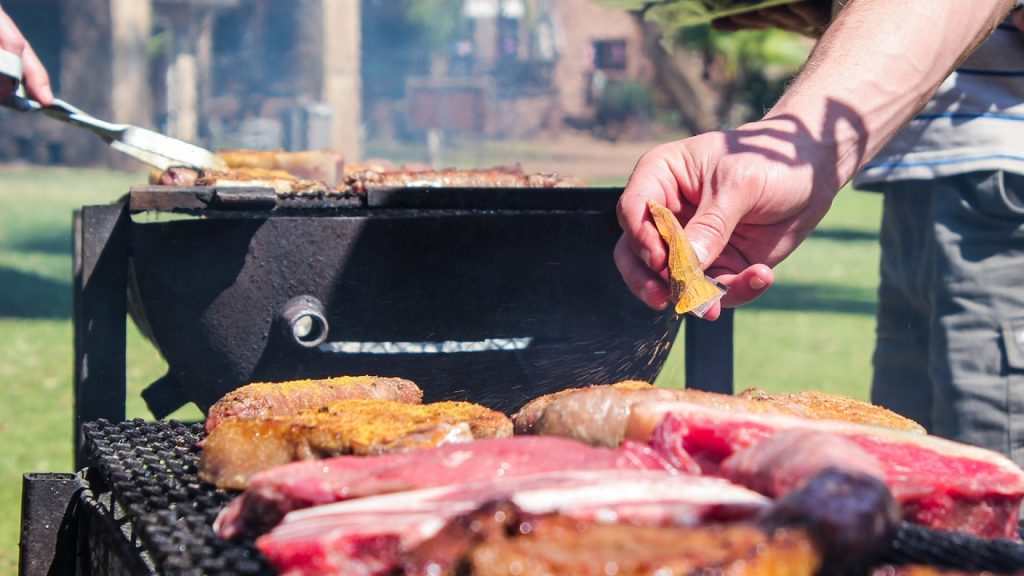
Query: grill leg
x=709 y=355
x=101 y=237
x=49 y=508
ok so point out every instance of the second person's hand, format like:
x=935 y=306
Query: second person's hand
x=37 y=81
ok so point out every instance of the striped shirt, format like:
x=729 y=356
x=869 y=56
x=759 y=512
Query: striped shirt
x=975 y=121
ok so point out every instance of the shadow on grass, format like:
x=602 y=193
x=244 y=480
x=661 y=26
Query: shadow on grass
x=817 y=298
x=24 y=295
x=53 y=243
x=845 y=235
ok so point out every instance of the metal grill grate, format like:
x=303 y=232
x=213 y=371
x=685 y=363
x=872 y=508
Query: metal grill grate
x=151 y=471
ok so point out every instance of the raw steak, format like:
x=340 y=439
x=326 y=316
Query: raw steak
x=278 y=491
x=938 y=483
x=370 y=535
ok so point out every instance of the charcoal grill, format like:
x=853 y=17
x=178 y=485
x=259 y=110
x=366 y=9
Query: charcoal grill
x=489 y=295
x=137 y=506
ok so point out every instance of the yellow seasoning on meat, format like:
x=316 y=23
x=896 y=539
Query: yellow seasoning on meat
x=692 y=291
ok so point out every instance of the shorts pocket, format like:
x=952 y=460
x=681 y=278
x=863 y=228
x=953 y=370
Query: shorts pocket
x=1013 y=340
x=996 y=194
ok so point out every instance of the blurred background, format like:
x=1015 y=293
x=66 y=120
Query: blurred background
x=361 y=75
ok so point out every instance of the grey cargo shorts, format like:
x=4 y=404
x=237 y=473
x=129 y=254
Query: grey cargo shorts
x=950 y=322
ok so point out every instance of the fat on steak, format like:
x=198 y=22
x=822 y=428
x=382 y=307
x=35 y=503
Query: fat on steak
x=598 y=415
x=276 y=492
x=372 y=535
x=241 y=447
x=269 y=399
x=938 y=483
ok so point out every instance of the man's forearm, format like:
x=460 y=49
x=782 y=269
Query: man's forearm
x=877 y=64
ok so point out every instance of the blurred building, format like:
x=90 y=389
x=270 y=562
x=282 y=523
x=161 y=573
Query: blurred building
x=317 y=73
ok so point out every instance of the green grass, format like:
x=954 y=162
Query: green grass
x=813 y=330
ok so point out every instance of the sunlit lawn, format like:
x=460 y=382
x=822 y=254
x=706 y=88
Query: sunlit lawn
x=813 y=330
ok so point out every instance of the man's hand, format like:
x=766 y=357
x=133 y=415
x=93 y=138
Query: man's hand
x=37 y=81
x=1018 y=19
x=807 y=17
x=749 y=197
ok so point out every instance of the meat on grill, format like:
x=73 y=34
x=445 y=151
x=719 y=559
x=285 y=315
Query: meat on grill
x=598 y=415
x=241 y=447
x=852 y=516
x=787 y=460
x=269 y=399
x=563 y=546
x=273 y=493
x=500 y=177
x=822 y=405
x=319 y=165
x=938 y=483
x=527 y=417
x=370 y=535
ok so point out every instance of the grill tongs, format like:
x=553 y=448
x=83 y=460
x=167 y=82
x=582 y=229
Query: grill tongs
x=148 y=146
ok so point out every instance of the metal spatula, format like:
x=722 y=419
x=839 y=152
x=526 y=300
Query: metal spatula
x=148 y=146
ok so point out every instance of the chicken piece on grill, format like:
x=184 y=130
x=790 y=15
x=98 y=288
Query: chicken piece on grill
x=239 y=448
x=269 y=399
x=500 y=540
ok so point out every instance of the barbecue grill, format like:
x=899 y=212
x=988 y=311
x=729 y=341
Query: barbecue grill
x=489 y=295
x=242 y=285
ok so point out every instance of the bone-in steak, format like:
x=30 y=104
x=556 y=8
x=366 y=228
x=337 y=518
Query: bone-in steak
x=938 y=483
x=276 y=492
x=370 y=535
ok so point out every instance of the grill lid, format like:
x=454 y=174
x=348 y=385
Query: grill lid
x=151 y=470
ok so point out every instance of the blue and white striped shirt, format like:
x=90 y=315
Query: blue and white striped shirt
x=974 y=122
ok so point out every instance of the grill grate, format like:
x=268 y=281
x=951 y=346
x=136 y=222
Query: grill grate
x=151 y=471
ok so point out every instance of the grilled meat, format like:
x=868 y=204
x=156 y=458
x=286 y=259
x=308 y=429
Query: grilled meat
x=501 y=177
x=851 y=516
x=241 y=447
x=278 y=491
x=526 y=418
x=939 y=483
x=598 y=415
x=333 y=539
x=560 y=545
x=822 y=405
x=318 y=165
x=268 y=399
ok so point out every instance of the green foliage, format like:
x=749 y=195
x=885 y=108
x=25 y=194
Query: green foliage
x=439 y=21
x=755 y=65
x=623 y=101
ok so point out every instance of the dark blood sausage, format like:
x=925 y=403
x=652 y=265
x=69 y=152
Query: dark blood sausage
x=269 y=399
x=852 y=516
